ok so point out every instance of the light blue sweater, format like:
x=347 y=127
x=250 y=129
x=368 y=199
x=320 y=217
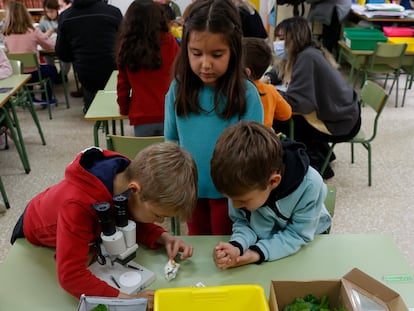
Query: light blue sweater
x=304 y=215
x=198 y=133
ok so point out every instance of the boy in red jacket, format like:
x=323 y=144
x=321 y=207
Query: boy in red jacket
x=162 y=180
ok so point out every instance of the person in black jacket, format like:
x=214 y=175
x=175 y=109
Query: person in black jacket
x=252 y=24
x=86 y=36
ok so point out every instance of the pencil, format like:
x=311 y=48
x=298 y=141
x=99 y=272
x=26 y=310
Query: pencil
x=114 y=280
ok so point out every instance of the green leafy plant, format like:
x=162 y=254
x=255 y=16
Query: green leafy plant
x=100 y=307
x=310 y=303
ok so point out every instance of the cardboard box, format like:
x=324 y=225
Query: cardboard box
x=355 y=291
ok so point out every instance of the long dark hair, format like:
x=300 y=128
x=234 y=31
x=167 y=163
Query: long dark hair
x=140 y=35
x=215 y=16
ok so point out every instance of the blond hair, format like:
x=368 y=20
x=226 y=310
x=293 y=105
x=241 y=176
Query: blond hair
x=168 y=177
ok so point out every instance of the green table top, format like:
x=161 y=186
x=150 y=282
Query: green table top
x=104 y=107
x=112 y=82
x=28 y=277
x=15 y=82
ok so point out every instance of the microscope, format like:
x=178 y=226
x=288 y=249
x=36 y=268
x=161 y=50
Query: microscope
x=118 y=237
x=117 y=242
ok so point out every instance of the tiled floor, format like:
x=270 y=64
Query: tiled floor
x=387 y=206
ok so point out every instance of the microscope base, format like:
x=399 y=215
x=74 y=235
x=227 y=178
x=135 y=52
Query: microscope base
x=127 y=280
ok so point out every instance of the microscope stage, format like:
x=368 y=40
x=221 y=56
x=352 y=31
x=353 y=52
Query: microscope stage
x=129 y=279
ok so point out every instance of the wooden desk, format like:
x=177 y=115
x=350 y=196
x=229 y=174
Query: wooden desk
x=28 y=278
x=104 y=108
x=16 y=82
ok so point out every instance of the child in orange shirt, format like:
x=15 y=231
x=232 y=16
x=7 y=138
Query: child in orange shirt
x=257 y=56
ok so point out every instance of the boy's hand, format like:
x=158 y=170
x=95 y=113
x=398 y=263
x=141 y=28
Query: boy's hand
x=228 y=256
x=225 y=255
x=174 y=245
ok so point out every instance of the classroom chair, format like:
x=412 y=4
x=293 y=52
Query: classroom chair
x=7 y=121
x=130 y=146
x=375 y=97
x=4 y=194
x=38 y=87
x=409 y=73
x=385 y=63
x=330 y=201
x=23 y=99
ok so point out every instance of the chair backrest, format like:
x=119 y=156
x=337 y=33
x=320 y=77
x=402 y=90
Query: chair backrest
x=130 y=145
x=16 y=66
x=388 y=53
x=27 y=59
x=374 y=96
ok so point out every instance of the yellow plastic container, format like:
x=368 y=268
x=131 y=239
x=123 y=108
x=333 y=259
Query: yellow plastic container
x=213 y=298
x=408 y=40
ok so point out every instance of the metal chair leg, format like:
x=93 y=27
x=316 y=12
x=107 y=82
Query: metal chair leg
x=4 y=194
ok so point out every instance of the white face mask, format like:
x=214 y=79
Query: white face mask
x=279 y=48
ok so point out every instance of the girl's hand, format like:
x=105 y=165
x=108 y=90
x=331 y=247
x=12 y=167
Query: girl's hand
x=174 y=245
x=49 y=32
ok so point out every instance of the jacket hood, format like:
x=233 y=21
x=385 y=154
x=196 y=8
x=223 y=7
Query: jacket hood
x=296 y=166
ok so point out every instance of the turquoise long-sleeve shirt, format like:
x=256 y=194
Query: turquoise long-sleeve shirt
x=198 y=133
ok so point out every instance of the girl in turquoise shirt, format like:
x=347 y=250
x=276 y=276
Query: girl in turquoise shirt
x=209 y=94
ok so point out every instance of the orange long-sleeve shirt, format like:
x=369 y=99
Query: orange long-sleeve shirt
x=274 y=105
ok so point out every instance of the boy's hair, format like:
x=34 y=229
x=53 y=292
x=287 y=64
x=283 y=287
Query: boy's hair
x=51 y=4
x=245 y=156
x=17 y=20
x=257 y=56
x=168 y=177
x=217 y=17
x=139 y=42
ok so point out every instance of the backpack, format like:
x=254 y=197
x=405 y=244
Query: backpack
x=295 y=4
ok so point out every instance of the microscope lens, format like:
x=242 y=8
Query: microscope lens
x=121 y=215
x=105 y=216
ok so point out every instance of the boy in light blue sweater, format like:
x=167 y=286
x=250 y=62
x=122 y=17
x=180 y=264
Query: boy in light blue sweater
x=276 y=200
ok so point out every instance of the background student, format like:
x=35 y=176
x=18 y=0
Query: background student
x=276 y=200
x=327 y=106
x=209 y=94
x=48 y=24
x=257 y=57
x=87 y=37
x=251 y=20
x=20 y=36
x=163 y=182
x=146 y=53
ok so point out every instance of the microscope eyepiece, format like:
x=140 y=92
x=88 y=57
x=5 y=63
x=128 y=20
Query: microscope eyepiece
x=105 y=216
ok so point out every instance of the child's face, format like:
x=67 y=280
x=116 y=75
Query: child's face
x=146 y=211
x=254 y=199
x=251 y=200
x=52 y=14
x=209 y=55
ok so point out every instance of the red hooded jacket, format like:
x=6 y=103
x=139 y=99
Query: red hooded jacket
x=62 y=217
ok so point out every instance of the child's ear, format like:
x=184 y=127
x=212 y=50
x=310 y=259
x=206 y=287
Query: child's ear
x=135 y=187
x=274 y=180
